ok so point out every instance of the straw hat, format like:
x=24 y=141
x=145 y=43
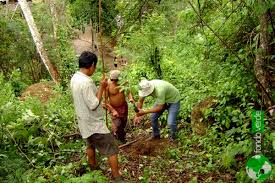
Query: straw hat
x=145 y=88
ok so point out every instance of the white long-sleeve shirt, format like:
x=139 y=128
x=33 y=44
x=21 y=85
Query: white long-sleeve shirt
x=89 y=112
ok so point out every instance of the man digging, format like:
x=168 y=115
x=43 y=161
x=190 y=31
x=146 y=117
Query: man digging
x=166 y=97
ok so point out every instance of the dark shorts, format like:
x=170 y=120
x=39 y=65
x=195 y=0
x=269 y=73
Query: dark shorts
x=119 y=123
x=104 y=143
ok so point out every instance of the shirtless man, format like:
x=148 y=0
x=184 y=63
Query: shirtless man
x=117 y=105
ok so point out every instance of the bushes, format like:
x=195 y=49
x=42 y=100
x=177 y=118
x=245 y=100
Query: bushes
x=32 y=133
x=199 y=65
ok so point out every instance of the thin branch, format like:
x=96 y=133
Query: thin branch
x=85 y=41
x=227 y=18
x=20 y=149
x=14 y=11
x=74 y=135
x=222 y=41
x=227 y=46
x=220 y=10
x=128 y=143
x=124 y=30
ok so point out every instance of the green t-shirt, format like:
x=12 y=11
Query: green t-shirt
x=165 y=92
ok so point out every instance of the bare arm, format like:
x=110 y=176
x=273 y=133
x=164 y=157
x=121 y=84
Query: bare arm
x=103 y=85
x=131 y=98
x=155 y=109
x=92 y=99
x=109 y=108
x=140 y=103
x=100 y=92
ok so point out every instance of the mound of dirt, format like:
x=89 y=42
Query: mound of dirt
x=43 y=91
x=199 y=123
x=147 y=147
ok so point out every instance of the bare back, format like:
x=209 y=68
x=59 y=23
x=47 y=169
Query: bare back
x=116 y=98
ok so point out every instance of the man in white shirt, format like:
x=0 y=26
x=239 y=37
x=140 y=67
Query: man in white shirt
x=89 y=113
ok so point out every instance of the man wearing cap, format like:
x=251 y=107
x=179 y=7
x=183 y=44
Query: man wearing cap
x=89 y=114
x=117 y=105
x=167 y=97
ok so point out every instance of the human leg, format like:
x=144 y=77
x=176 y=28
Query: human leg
x=106 y=145
x=91 y=154
x=154 y=122
x=173 y=110
x=115 y=124
x=113 y=161
x=91 y=157
x=121 y=121
x=121 y=129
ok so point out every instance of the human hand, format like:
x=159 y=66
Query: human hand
x=115 y=113
x=104 y=105
x=140 y=113
x=137 y=120
x=103 y=81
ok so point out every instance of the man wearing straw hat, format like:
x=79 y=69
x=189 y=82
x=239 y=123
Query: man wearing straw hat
x=167 y=97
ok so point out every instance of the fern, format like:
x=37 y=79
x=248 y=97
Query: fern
x=12 y=167
x=228 y=155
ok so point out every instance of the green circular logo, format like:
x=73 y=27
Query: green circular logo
x=258 y=167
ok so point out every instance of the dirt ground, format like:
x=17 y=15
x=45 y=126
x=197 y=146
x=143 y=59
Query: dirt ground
x=145 y=147
x=43 y=91
x=84 y=42
x=142 y=153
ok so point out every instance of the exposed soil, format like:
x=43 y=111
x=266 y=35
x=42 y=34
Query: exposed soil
x=147 y=154
x=84 y=42
x=198 y=122
x=43 y=91
x=146 y=147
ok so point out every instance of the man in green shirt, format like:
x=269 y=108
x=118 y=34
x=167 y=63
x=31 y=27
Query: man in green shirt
x=167 y=97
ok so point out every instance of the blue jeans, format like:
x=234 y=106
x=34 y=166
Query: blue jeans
x=173 y=110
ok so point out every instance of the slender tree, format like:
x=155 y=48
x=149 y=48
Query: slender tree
x=37 y=40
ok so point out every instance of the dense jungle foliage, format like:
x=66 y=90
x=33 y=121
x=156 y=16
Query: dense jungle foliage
x=206 y=48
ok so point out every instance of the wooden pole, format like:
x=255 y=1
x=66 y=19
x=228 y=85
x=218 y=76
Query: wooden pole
x=101 y=51
x=100 y=36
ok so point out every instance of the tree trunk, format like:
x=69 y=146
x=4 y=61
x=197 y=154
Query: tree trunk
x=37 y=40
x=260 y=63
x=54 y=17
